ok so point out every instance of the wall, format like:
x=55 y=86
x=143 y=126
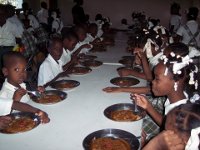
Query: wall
x=118 y=9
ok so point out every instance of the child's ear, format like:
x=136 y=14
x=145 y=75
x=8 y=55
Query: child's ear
x=5 y=71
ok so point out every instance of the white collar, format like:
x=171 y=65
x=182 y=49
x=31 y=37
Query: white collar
x=12 y=87
x=169 y=106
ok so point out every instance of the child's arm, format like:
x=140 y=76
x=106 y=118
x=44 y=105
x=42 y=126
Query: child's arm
x=138 y=90
x=28 y=108
x=19 y=93
x=144 y=103
x=165 y=140
x=126 y=72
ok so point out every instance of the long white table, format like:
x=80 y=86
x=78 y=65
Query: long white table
x=81 y=113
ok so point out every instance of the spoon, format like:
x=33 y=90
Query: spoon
x=35 y=93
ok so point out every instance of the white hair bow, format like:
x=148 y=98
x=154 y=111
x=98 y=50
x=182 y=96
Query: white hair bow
x=194 y=98
x=147 y=47
x=177 y=66
x=193 y=142
x=161 y=28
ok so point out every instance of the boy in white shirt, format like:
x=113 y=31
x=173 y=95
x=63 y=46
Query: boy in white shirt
x=51 y=67
x=14 y=69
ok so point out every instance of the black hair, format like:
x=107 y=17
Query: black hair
x=193 y=13
x=43 y=5
x=53 y=41
x=10 y=56
x=70 y=35
x=98 y=17
x=187 y=117
x=174 y=9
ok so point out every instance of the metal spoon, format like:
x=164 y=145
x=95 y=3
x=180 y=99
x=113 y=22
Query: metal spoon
x=35 y=93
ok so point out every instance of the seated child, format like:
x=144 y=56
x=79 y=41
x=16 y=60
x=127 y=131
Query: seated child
x=51 y=66
x=182 y=130
x=170 y=80
x=7 y=105
x=14 y=69
x=81 y=33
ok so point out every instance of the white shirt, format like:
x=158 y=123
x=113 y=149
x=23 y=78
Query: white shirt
x=5 y=106
x=193 y=26
x=66 y=56
x=15 y=20
x=33 y=21
x=169 y=106
x=8 y=33
x=8 y=91
x=57 y=25
x=175 y=21
x=42 y=16
x=49 y=69
x=83 y=50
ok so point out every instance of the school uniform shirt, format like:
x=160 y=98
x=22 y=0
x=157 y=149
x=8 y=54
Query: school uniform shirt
x=66 y=56
x=15 y=20
x=8 y=33
x=175 y=21
x=33 y=21
x=5 y=106
x=49 y=69
x=169 y=106
x=8 y=91
x=193 y=27
x=57 y=24
x=42 y=16
x=83 y=50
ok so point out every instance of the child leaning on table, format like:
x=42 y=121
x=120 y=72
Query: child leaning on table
x=14 y=70
x=182 y=130
x=7 y=105
x=171 y=76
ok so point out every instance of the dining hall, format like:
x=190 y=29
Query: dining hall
x=99 y=75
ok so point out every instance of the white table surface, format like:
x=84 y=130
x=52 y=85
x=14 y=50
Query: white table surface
x=81 y=113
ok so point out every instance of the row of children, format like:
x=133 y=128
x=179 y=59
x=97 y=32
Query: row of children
x=62 y=54
x=172 y=81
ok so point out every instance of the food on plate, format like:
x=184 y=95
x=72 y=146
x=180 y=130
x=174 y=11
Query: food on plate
x=80 y=70
x=65 y=85
x=107 y=143
x=49 y=99
x=124 y=115
x=20 y=125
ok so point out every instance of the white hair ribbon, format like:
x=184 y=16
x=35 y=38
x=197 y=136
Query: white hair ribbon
x=177 y=66
x=194 y=98
x=161 y=28
x=147 y=48
x=193 y=142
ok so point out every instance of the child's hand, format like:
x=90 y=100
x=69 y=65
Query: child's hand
x=124 y=72
x=41 y=89
x=141 y=101
x=19 y=93
x=112 y=89
x=167 y=140
x=43 y=116
x=4 y=121
x=86 y=46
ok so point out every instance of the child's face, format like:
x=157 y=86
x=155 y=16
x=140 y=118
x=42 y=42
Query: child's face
x=93 y=31
x=162 y=85
x=69 y=44
x=56 y=51
x=16 y=73
x=81 y=35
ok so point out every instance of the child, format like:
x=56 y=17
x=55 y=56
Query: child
x=170 y=79
x=7 y=105
x=182 y=128
x=14 y=70
x=81 y=33
x=51 y=67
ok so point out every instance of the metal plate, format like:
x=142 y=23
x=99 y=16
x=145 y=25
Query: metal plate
x=65 y=84
x=135 y=68
x=112 y=133
x=124 y=81
x=62 y=95
x=124 y=106
x=19 y=115
x=88 y=57
x=92 y=63
x=80 y=70
x=126 y=62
